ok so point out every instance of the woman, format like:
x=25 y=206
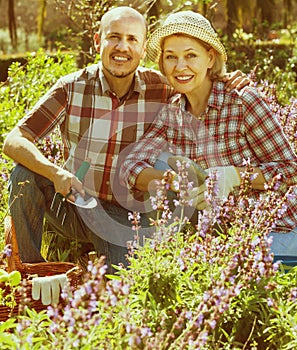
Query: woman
x=216 y=129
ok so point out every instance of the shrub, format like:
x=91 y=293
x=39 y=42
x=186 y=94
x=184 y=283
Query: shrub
x=276 y=61
x=17 y=96
x=215 y=287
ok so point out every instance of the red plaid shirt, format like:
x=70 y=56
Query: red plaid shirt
x=95 y=124
x=235 y=127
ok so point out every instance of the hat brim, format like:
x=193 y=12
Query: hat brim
x=154 y=49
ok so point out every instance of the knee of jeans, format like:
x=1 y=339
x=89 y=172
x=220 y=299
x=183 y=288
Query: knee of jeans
x=20 y=174
x=161 y=162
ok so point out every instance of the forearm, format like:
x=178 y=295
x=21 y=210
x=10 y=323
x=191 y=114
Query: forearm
x=148 y=175
x=19 y=146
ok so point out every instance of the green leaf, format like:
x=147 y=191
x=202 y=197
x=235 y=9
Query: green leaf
x=15 y=278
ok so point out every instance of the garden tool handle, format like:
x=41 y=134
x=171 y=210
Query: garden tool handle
x=80 y=174
x=83 y=169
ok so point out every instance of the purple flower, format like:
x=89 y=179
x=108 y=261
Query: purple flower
x=128 y=327
x=199 y=321
x=146 y=332
x=113 y=300
x=134 y=340
x=189 y=315
x=7 y=251
x=212 y=324
x=125 y=289
x=103 y=270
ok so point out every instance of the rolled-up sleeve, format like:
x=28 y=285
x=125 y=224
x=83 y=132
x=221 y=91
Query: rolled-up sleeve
x=145 y=152
x=47 y=113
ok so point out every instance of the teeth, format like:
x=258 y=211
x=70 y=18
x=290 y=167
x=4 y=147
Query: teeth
x=120 y=58
x=184 y=77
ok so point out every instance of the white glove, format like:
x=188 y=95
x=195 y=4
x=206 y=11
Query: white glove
x=227 y=178
x=197 y=196
x=49 y=288
x=195 y=173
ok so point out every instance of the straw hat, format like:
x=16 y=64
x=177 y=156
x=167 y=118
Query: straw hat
x=185 y=22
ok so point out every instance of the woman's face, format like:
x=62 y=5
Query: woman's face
x=186 y=62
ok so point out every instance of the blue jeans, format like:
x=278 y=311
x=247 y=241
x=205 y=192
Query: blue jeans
x=98 y=226
x=284 y=243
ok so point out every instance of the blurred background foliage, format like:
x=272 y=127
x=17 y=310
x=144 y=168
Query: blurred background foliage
x=29 y=24
x=255 y=32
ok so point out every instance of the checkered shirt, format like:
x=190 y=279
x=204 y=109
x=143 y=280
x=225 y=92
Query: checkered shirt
x=236 y=126
x=95 y=124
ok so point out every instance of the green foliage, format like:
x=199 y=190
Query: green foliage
x=33 y=327
x=183 y=290
x=8 y=287
x=17 y=94
x=9 y=282
x=276 y=61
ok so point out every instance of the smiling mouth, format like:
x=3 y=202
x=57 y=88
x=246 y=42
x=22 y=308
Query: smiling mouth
x=184 y=78
x=120 y=59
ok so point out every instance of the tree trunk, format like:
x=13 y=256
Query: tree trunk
x=232 y=17
x=287 y=12
x=41 y=17
x=12 y=24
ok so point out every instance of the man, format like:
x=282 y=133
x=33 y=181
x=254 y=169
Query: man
x=100 y=110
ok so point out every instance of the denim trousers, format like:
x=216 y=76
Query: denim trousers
x=107 y=227
x=284 y=243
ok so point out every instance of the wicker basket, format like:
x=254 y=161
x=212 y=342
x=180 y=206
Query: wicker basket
x=74 y=274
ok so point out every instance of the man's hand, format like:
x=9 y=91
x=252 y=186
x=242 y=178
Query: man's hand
x=236 y=80
x=19 y=145
x=65 y=182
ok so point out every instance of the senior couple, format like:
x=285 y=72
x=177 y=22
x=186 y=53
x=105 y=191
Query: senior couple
x=124 y=119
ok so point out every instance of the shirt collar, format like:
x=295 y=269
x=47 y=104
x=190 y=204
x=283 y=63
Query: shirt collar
x=139 y=84
x=218 y=97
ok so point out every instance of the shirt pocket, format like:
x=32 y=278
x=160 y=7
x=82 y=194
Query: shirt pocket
x=232 y=148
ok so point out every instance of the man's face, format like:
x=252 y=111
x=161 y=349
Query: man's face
x=122 y=46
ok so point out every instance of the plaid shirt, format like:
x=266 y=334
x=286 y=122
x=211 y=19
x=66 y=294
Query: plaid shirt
x=236 y=126
x=95 y=124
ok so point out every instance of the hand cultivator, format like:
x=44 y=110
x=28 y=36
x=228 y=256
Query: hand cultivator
x=59 y=201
